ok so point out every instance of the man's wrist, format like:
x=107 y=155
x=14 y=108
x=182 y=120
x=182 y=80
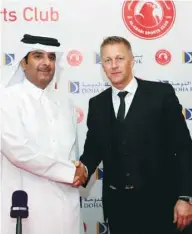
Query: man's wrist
x=75 y=162
x=86 y=169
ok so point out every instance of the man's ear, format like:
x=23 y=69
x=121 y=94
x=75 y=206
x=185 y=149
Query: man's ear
x=23 y=64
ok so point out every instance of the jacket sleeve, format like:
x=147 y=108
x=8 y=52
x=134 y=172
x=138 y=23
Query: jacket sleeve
x=92 y=154
x=24 y=153
x=180 y=139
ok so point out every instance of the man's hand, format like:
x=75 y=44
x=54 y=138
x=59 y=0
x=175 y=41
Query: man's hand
x=80 y=174
x=182 y=214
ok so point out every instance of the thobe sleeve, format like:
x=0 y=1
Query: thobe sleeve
x=24 y=153
x=75 y=121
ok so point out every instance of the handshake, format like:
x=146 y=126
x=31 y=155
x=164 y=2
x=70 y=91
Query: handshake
x=80 y=174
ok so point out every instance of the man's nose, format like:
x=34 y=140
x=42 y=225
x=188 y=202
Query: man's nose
x=46 y=61
x=114 y=64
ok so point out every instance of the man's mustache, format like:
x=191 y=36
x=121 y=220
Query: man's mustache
x=44 y=69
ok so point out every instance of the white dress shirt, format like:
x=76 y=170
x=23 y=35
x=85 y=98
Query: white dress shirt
x=131 y=89
x=38 y=143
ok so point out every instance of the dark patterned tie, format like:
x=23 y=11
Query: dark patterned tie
x=121 y=111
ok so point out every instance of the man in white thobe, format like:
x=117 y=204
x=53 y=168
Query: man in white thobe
x=38 y=144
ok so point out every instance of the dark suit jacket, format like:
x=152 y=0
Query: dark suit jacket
x=160 y=144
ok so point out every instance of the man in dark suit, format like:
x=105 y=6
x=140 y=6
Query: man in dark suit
x=137 y=129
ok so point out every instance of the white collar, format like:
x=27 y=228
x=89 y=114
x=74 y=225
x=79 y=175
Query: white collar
x=33 y=90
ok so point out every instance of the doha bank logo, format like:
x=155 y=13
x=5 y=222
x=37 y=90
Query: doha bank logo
x=8 y=59
x=187 y=57
x=99 y=174
x=102 y=228
x=187 y=112
x=91 y=202
x=74 y=87
x=179 y=86
x=93 y=87
x=97 y=58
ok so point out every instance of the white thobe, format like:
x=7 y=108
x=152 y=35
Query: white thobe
x=38 y=143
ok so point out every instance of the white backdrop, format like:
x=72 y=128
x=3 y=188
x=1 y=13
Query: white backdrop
x=160 y=34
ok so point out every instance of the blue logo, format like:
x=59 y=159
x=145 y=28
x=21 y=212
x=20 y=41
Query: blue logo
x=73 y=87
x=102 y=228
x=99 y=174
x=8 y=59
x=97 y=58
x=187 y=113
x=187 y=57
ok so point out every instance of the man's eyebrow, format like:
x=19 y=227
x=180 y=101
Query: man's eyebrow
x=52 y=53
x=118 y=55
x=37 y=52
x=41 y=52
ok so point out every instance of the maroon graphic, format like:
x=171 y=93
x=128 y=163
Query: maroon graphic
x=163 y=57
x=74 y=58
x=85 y=227
x=80 y=115
x=149 y=19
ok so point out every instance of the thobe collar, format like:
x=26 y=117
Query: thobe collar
x=36 y=92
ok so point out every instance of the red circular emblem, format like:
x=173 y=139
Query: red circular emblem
x=149 y=19
x=163 y=57
x=74 y=58
x=80 y=115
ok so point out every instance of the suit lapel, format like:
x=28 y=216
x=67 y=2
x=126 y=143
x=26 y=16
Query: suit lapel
x=108 y=107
